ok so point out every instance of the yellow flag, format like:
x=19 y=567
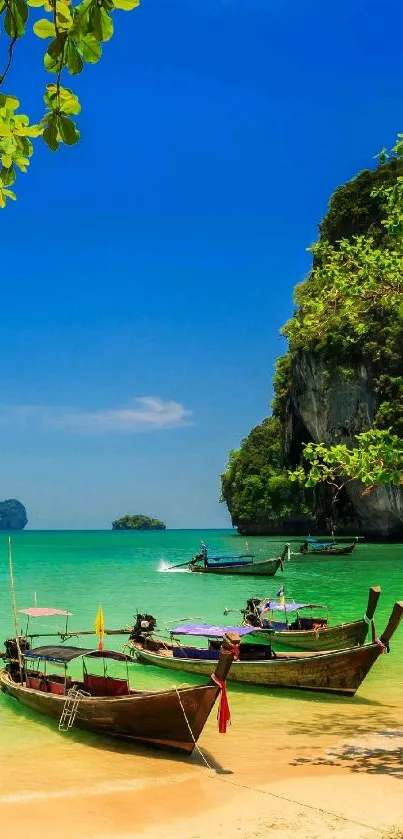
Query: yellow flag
x=100 y=627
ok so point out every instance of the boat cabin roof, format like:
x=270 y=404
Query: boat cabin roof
x=37 y=612
x=63 y=655
x=226 y=557
x=275 y=606
x=207 y=630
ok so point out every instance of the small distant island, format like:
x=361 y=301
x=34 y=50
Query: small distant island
x=13 y=515
x=138 y=523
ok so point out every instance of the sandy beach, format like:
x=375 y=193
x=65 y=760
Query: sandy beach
x=337 y=788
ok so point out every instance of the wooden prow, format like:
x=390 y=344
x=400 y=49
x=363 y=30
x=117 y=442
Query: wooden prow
x=285 y=555
x=393 y=623
x=373 y=597
x=228 y=651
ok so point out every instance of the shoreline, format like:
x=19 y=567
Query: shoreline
x=347 y=786
x=197 y=804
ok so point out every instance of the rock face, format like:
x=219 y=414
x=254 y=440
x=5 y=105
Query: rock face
x=13 y=515
x=331 y=407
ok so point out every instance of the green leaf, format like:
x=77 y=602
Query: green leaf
x=126 y=5
x=6 y=160
x=29 y=131
x=50 y=135
x=67 y=130
x=54 y=57
x=101 y=23
x=73 y=58
x=16 y=18
x=25 y=146
x=22 y=163
x=10 y=103
x=82 y=19
x=44 y=28
x=68 y=100
x=5 y=130
x=91 y=49
x=64 y=18
x=7 y=175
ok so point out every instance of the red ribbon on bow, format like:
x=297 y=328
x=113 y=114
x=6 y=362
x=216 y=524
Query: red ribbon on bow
x=223 y=714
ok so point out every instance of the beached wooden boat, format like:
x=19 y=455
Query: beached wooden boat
x=334 y=671
x=291 y=625
x=237 y=564
x=313 y=547
x=172 y=719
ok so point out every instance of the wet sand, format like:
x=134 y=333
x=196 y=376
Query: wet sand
x=299 y=772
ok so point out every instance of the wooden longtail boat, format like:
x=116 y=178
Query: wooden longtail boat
x=332 y=671
x=315 y=548
x=237 y=564
x=307 y=632
x=171 y=719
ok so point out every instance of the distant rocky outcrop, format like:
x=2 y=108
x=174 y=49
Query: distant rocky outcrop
x=137 y=523
x=13 y=515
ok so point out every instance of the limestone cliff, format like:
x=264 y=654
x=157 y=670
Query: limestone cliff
x=342 y=375
x=332 y=406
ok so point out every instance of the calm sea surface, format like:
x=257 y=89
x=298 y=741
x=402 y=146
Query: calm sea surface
x=78 y=570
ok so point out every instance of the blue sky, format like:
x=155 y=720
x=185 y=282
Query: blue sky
x=146 y=272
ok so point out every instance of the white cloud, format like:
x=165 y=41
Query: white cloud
x=146 y=413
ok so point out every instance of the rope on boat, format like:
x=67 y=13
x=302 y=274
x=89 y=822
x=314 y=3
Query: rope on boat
x=217 y=775
x=191 y=732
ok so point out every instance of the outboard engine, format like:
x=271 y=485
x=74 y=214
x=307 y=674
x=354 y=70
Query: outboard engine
x=11 y=655
x=250 y=613
x=144 y=625
x=12 y=648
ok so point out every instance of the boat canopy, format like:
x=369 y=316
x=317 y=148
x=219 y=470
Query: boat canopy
x=231 y=556
x=63 y=655
x=314 y=544
x=36 y=612
x=273 y=605
x=207 y=630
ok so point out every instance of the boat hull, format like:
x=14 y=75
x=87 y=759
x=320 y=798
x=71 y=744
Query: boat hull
x=333 y=551
x=340 y=671
x=267 y=568
x=316 y=640
x=155 y=719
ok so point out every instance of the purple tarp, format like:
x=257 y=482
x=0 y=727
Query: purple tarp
x=269 y=605
x=208 y=630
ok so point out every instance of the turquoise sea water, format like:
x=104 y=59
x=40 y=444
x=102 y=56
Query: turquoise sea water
x=78 y=570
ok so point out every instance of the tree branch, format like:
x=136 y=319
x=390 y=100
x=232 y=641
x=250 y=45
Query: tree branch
x=11 y=45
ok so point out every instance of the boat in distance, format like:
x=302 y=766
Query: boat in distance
x=242 y=564
x=315 y=547
x=329 y=671
x=289 y=625
x=171 y=719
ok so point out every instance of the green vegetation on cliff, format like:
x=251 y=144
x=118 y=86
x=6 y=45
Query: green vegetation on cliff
x=256 y=486
x=351 y=307
x=137 y=523
x=349 y=312
x=13 y=515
